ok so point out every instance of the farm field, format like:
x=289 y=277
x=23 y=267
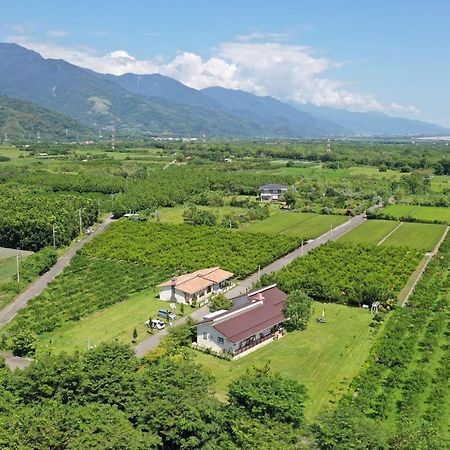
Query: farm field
x=370 y=232
x=8 y=262
x=440 y=182
x=115 y=323
x=324 y=357
x=419 y=212
x=422 y=236
x=302 y=225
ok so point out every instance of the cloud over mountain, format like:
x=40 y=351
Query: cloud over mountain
x=285 y=71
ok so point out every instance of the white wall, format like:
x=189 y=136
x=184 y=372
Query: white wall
x=165 y=293
x=211 y=339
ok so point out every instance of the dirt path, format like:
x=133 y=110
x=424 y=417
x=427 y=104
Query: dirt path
x=36 y=288
x=390 y=233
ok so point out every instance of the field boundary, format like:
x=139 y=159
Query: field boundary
x=390 y=233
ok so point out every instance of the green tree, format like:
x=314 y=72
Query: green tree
x=348 y=428
x=197 y=216
x=22 y=343
x=298 y=310
x=218 y=302
x=263 y=394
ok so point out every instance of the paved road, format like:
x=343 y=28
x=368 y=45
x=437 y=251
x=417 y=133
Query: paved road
x=41 y=283
x=277 y=265
x=153 y=341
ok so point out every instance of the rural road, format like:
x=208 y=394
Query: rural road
x=41 y=283
x=153 y=341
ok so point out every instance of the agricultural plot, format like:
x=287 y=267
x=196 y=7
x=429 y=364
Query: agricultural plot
x=404 y=384
x=185 y=248
x=301 y=225
x=324 y=357
x=422 y=236
x=370 y=232
x=350 y=273
x=115 y=323
x=428 y=213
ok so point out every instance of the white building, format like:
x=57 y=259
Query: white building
x=195 y=287
x=270 y=192
x=258 y=318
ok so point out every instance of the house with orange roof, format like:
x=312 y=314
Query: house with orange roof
x=195 y=287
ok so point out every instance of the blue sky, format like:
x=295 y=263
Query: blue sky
x=372 y=55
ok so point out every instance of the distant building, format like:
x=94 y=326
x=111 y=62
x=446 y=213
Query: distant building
x=256 y=318
x=270 y=192
x=195 y=287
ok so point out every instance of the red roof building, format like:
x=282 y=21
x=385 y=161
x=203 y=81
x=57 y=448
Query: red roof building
x=258 y=319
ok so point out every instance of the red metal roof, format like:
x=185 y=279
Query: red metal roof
x=251 y=321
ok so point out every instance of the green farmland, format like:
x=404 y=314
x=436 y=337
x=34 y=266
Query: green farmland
x=304 y=225
x=428 y=213
x=370 y=232
x=421 y=236
x=324 y=357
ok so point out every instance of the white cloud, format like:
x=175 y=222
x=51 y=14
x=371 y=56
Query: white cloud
x=285 y=71
x=58 y=33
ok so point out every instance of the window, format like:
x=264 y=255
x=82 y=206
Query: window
x=220 y=340
x=205 y=335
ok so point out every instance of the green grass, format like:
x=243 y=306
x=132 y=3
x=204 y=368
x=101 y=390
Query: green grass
x=439 y=183
x=114 y=323
x=8 y=268
x=422 y=236
x=324 y=357
x=370 y=232
x=175 y=215
x=419 y=212
x=305 y=225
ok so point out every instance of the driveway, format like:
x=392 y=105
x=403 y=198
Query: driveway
x=36 y=288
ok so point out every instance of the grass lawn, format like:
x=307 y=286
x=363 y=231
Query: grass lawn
x=324 y=357
x=8 y=267
x=419 y=212
x=370 y=232
x=114 y=323
x=305 y=225
x=423 y=236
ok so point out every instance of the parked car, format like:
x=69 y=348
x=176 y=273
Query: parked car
x=155 y=323
x=167 y=314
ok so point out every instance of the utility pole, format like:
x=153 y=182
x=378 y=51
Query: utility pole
x=331 y=231
x=81 y=222
x=54 y=237
x=17 y=264
x=302 y=248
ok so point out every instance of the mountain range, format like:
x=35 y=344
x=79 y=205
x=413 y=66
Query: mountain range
x=132 y=105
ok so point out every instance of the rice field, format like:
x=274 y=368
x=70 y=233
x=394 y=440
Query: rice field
x=303 y=225
x=370 y=232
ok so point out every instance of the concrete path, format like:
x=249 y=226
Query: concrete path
x=36 y=288
x=277 y=265
x=153 y=341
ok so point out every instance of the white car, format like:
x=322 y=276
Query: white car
x=155 y=323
